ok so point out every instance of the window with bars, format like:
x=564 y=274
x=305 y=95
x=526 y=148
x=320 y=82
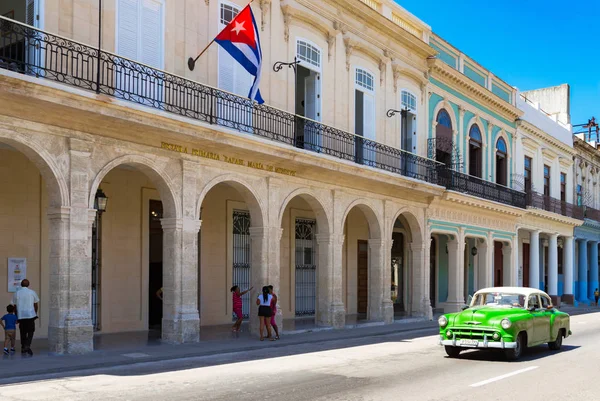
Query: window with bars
x=306 y=268
x=409 y=101
x=241 y=256
x=308 y=53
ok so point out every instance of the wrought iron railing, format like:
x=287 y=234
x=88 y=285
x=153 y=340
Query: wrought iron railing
x=471 y=185
x=591 y=213
x=550 y=204
x=30 y=51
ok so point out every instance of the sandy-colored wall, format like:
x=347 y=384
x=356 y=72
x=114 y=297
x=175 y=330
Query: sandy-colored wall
x=357 y=228
x=23 y=228
x=124 y=282
x=215 y=265
x=297 y=208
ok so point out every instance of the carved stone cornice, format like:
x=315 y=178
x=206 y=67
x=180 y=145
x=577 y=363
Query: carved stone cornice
x=461 y=216
x=473 y=201
x=452 y=77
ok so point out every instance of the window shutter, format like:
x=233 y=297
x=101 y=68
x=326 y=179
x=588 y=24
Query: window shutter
x=128 y=34
x=151 y=33
x=369 y=119
x=30 y=11
x=226 y=71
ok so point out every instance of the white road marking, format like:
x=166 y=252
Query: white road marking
x=495 y=379
x=136 y=355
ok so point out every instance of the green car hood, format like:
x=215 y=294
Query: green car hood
x=485 y=315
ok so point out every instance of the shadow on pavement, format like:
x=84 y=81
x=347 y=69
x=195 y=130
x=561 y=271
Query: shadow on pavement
x=266 y=350
x=531 y=354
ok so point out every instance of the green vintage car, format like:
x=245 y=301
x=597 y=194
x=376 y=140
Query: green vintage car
x=505 y=318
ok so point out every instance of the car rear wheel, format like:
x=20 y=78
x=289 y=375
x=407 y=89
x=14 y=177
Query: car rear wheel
x=513 y=354
x=452 y=351
x=555 y=345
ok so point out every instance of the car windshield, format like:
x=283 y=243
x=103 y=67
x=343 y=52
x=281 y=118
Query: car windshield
x=499 y=299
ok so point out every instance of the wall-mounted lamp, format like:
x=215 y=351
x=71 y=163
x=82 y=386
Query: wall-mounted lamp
x=100 y=201
x=474 y=251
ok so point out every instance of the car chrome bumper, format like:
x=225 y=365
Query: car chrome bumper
x=480 y=344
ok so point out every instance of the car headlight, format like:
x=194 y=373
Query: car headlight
x=505 y=323
x=442 y=321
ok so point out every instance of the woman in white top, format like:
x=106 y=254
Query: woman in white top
x=264 y=312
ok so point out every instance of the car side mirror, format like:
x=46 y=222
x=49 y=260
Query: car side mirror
x=465 y=307
x=531 y=308
x=550 y=307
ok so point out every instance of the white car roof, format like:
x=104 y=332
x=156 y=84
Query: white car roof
x=526 y=291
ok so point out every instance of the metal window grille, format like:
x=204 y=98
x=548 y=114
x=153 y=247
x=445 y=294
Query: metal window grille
x=306 y=268
x=241 y=256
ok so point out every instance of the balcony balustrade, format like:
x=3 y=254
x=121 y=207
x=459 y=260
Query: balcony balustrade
x=30 y=51
x=550 y=204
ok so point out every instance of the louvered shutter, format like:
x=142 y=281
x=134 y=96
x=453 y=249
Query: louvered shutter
x=31 y=13
x=369 y=116
x=151 y=34
x=128 y=29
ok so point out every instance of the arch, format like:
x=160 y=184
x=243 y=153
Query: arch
x=443 y=118
x=501 y=158
x=153 y=171
x=416 y=231
x=475 y=142
x=444 y=104
x=364 y=79
x=56 y=183
x=408 y=100
x=323 y=219
x=250 y=195
x=313 y=57
x=369 y=211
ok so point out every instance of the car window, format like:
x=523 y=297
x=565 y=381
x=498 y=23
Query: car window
x=533 y=302
x=546 y=302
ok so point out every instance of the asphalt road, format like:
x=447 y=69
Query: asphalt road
x=400 y=367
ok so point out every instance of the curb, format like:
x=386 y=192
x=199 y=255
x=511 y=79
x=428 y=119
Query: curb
x=163 y=358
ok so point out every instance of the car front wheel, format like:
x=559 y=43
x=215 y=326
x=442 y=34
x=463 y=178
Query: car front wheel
x=452 y=351
x=555 y=345
x=515 y=353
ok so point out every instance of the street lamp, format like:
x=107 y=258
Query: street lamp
x=100 y=201
x=280 y=64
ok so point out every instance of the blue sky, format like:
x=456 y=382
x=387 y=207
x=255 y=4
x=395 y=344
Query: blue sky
x=529 y=44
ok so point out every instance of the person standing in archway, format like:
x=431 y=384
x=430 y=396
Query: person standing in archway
x=264 y=312
x=26 y=303
x=273 y=312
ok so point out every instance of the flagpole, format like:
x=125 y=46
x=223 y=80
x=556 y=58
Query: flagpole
x=192 y=61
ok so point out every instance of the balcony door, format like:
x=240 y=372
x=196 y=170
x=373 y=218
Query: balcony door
x=18 y=50
x=501 y=162
x=140 y=37
x=364 y=117
x=233 y=112
x=475 y=151
x=308 y=96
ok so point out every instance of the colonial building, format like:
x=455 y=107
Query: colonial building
x=544 y=164
x=125 y=172
x=471 y=130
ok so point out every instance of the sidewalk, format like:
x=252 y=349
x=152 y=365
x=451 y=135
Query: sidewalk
x=142 y=347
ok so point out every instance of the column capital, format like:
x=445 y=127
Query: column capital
x=261 y=232
x=187 y=225
x=582 y=240
x=417 y=246
x=553 y=236
x=92 y=215
x=59 y=213
x=330 y=238
x=375 y=243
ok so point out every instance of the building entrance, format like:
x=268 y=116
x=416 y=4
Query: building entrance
x=155 y=268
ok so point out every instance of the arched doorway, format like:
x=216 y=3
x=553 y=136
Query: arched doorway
x=362 y=285
x=230 y=251
x=475 y=151
x=130 y=272
x=302 y=280
x=443 y=138
x=501 y=162
x=407 y=262
x=33 y=192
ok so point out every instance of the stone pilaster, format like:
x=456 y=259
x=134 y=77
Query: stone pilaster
x=330 y=310
x=376 y=274
x=181 y=321
x=421 y=304
x=387 y=306
x=456 y=270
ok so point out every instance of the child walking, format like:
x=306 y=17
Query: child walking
x=237 y=306
x=9 y=324
x=274 y=312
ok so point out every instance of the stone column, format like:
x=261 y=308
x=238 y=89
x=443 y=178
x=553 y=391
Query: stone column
x=534 y=259
x=456 y=269
x=421 y=305
x=181 y=321
x=330 y=307
x=69 y=325
x=507 y=259
x=553 y=268
x=568 y=253
x=387 y=306
x=376 y=266
x=593 y=261
x=482 y=251
x=259 y=277
x=582 y=269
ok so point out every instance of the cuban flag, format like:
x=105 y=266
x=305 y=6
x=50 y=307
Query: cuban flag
x=240 y=39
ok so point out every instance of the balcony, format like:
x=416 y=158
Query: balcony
x=29 y=51
x=591 y=213
x=475 y=186
x=550 y=204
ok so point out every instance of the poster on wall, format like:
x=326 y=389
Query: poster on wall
x=17 y=271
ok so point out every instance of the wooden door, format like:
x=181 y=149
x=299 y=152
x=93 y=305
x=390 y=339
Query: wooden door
x=362 y=282
x=525 y=265
x=498 y=265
